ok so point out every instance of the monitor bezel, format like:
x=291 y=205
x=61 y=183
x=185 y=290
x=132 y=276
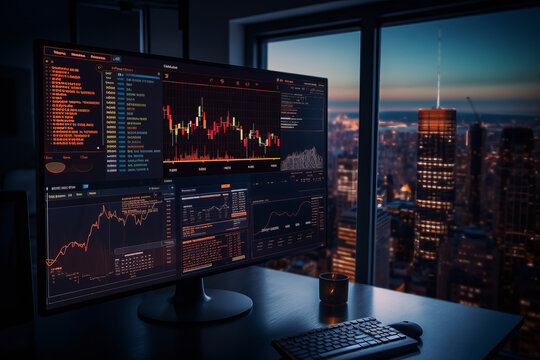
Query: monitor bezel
x=43 y=310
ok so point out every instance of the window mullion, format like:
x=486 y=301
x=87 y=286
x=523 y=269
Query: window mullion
x=367 y=150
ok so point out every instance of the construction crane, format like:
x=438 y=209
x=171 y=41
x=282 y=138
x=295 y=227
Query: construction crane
x=473 y=109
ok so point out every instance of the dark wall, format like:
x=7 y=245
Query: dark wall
x=21 y=22
x=210 y=20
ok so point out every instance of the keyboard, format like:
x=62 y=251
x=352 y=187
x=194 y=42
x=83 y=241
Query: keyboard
x=356 y=339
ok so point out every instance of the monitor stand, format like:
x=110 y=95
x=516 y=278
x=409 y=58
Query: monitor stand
x=190 y=303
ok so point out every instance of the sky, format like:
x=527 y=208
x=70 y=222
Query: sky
x=492 y=58
x=336 y=57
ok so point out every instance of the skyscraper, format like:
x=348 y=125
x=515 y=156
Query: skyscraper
x=347 y=175
x=388 y=188
x=471 y=277
x=435 y=191
x=402 y=215
x=402 y=229
x=515 y=233
x=344 y=193
x=529 y=301
x=344 y=259
x=516 y=215
x=475 y=141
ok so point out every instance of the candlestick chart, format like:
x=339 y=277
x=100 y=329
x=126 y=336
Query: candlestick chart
x=220 y=128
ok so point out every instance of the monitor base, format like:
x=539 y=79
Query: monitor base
x=191 y=304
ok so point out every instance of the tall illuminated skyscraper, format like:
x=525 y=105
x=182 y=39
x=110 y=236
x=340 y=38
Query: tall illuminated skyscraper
x=347 y=183
x=344 y=260
x=435 y=191
x=344 y=194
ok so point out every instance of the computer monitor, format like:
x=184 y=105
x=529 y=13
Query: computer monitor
x=155 y=170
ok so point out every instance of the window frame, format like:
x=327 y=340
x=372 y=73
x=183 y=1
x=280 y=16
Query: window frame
x=369 y=19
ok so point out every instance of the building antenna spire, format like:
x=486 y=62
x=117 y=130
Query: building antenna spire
x=439 y=71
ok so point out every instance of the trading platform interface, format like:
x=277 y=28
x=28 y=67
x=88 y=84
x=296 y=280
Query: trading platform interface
x=157 y=169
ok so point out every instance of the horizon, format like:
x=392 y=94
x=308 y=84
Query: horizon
x=471 y=113
x=492 y=58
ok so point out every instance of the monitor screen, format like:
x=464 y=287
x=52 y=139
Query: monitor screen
x=156 y=169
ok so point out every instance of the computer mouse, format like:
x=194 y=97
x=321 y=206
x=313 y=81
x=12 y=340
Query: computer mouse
x=408 y=328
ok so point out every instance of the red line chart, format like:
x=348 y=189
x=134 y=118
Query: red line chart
x=284 y=213
x=138 y=220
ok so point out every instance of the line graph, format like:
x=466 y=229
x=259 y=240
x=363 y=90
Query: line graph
x=207 y=208
x=295 y=214
x=99 y=238
x=96 y=226
x=284 y=216
x=287 y=223
x=222 y=210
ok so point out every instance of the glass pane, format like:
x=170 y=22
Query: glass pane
x=336 y=57
x=460 y=181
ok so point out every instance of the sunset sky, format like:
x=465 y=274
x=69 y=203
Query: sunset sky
x=493 y=58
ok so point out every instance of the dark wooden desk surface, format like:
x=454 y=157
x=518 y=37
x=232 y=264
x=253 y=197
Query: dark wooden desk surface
x=284 y=304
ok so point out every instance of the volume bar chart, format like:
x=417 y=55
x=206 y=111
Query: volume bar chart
x=220 y=126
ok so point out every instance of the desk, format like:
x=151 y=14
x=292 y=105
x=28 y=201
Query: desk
x=284 y=304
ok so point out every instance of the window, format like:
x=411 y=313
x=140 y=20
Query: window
x=336 y=57
x=458 y=186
